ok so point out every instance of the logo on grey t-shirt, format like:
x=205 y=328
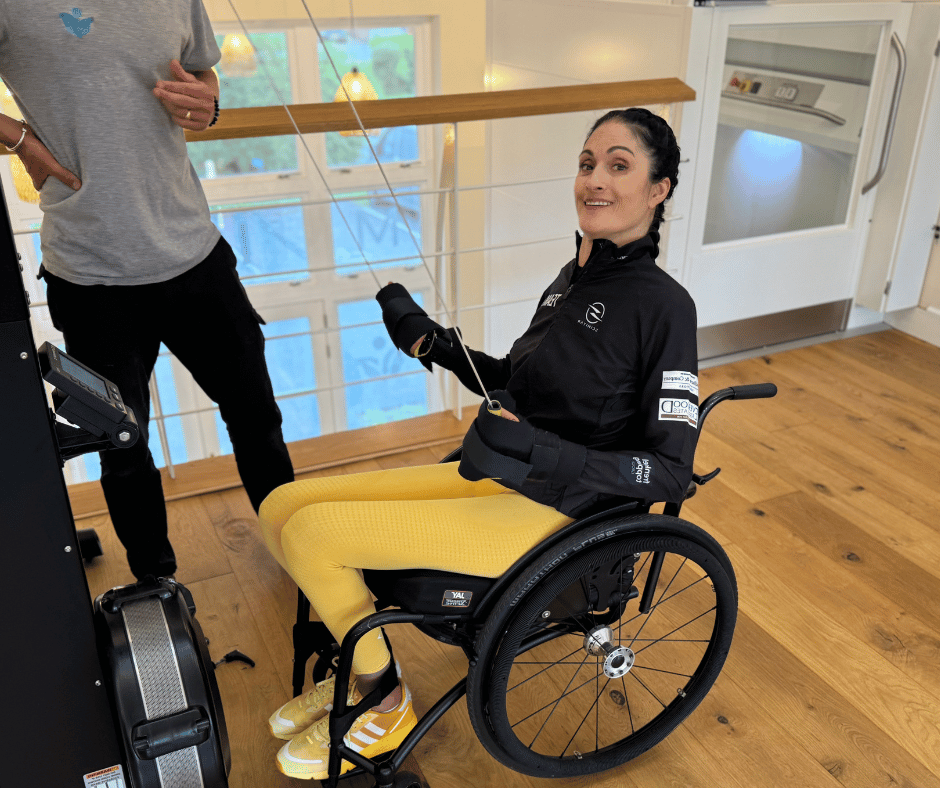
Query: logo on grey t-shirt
x=74 y=23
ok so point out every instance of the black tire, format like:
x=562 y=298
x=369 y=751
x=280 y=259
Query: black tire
x=409 y=780
x=543 y=705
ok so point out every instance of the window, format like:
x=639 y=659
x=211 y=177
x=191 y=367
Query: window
x=331 y=363
x=375 y=392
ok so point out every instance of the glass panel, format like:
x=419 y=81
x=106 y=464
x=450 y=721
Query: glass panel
x=369 y=353
x=266 y=241
x=386 y=56
x=380 y=230
x=289 y=355
x=793 y=103
x=242 y=88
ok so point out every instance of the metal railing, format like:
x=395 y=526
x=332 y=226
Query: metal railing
x=317 y=118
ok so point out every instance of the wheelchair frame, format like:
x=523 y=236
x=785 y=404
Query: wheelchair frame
x=312 y=637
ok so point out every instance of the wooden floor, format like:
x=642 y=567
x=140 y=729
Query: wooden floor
x=827 y=505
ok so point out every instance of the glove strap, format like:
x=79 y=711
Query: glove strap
x=556 y=459
x=492 y=463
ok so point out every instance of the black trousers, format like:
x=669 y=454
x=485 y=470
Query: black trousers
x=205 y=319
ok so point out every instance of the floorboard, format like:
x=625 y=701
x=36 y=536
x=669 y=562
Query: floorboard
x=827 y=506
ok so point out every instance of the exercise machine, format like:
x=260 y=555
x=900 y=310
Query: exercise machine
x=127 y=681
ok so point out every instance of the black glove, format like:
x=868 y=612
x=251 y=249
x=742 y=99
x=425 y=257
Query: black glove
x=512 y=438
x=405 y=321
x=498 y=448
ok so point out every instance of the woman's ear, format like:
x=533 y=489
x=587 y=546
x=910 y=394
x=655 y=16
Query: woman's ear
x=659 y=192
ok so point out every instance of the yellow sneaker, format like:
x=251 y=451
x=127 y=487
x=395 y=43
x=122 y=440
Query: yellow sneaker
x=298 y=714
x=307 y=756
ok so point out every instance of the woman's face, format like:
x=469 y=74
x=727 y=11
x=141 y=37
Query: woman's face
x=612 y=192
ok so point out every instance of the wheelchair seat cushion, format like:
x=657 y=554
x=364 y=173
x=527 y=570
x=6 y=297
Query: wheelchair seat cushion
x=427 y=590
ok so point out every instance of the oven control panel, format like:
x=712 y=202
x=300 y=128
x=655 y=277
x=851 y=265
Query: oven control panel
x=781 y=90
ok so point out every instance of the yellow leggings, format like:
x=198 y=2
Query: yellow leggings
x=323 y=530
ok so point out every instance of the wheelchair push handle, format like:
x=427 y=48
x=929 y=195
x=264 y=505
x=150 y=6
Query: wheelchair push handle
x=750 y=391
x=754 y=391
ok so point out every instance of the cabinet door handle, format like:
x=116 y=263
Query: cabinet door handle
x=892 y=115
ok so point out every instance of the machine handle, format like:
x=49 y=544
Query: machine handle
x=892 y=115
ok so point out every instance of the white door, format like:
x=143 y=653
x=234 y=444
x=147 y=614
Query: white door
x=793 y=106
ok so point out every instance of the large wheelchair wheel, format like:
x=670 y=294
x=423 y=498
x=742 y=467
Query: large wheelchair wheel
x=571 y=678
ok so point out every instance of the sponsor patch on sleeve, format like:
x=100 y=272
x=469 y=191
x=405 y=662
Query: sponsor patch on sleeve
x=683 y=381
x=641 y=470
x=678 y=410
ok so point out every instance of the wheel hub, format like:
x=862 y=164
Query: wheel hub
x=617 y=659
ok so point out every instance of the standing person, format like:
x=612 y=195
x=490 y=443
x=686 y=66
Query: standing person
x=131 y=257
x=599 y=407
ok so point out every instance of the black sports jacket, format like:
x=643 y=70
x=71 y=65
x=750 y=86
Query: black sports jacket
x=608 y=362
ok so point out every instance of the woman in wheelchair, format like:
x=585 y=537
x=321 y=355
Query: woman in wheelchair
x=596 y=404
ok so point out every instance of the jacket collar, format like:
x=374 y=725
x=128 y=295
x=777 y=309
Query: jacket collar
x=606 y=249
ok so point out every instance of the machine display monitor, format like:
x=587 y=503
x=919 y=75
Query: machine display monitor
x=83 y=375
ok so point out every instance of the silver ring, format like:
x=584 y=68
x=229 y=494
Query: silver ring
x=188 y=113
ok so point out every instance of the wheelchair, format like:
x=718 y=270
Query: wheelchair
x=568 y=676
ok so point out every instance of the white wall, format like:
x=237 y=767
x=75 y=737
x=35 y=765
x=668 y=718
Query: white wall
x=544 y=43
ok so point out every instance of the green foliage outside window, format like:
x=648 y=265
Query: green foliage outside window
x=217 y=158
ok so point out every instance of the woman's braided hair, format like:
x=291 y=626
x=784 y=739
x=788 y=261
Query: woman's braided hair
x=659 y=144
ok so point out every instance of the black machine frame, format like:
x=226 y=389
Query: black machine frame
x=49 y=660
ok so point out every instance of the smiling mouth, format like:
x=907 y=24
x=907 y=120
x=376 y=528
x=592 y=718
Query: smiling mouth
x=596 y=203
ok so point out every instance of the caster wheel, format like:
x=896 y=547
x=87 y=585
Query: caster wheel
x=407 y=780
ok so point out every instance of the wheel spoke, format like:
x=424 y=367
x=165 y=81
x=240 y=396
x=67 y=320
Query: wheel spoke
x=563 y=695
x=626 y=698
x=660 y=670
x=673 y=596
x=593 y=705
x=691 y=621
x=660 y=602
x=672 y=640
x=647 y=689
x=545 y=721
x=550 y=664
x=661 y=596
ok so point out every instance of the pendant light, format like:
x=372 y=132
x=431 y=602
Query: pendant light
x=238 y=57
x=356 y=85
x=21 y=179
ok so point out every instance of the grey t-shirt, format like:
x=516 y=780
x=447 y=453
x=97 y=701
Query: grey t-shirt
x=84 y=79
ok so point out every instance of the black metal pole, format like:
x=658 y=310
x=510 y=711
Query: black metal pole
x=59 y=725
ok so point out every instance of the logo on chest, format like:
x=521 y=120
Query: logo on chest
x=593 y=316
x=77 y=26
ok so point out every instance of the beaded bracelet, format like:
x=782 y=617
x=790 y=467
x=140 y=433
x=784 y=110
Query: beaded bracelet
x=216 y=118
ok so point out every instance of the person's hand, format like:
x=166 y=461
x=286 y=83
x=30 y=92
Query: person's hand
x=189 y=101
x=407 y=323
x=40 y=163
x=503 y=431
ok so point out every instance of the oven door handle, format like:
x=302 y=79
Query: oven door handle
x=892 y=115
x=805 y=108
